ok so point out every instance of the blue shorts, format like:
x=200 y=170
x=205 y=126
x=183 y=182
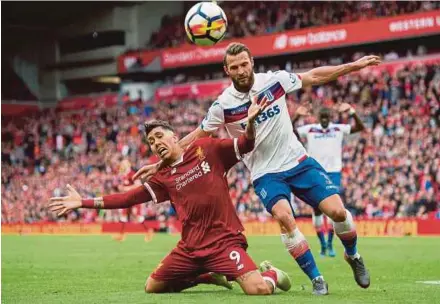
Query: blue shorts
x=307 y=181
x=336 y=178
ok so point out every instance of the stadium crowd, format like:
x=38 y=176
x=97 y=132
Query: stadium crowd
x=390 y=170
x=297 y=64
x=259 y=18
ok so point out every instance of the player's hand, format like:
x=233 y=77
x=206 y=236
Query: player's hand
x=256 y=108
x=303 y=111
x=344 y=107
x=146 y=172
x=65 y=204
x=366 y=61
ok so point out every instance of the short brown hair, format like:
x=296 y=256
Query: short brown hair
x=149 y=126
x=236 y=48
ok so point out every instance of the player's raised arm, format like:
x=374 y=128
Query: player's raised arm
x=231 y=150
x=254 y=110
x=359 y=126
x=326 y=74
x=73 y=200
x=302 y=111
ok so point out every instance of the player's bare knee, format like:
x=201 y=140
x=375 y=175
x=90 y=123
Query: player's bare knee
x=338 y=215
x=150 y=286
x=282 y=212
x=286 y=220
x=263 y=289
x=149 y=289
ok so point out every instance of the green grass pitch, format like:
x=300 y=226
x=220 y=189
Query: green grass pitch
x=97 y=269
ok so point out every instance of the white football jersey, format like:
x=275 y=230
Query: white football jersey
x=277 y=148
x=325 y=145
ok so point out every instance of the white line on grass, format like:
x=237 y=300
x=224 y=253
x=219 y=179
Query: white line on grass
x=429 y=282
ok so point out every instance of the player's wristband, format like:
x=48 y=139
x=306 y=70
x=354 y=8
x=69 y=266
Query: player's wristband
x=93 y=203
x=351 y=111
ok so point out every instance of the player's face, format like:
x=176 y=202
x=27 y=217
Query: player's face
x=324 y=120
x=240 y=68
x=163 y=143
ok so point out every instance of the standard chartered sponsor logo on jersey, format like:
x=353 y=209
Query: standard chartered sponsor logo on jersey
x=191 y=175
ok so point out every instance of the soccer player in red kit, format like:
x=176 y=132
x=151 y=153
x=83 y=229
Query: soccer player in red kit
x=195 y=180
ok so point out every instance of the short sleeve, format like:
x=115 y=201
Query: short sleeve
x=290 y=81
x=158 y=192
x=214 y=119
x=302 y=131
x=345 y=128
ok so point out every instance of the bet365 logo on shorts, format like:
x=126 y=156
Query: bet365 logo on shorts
x=268 y=114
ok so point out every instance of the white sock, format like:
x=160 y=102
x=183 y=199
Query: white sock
x=356 y=256
x=329 y=221
x=318 y=221
x=345 y=226
x=271 y=282
x=293 y=239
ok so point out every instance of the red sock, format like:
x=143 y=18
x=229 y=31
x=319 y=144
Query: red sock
x=122 y=228
x=271 y=276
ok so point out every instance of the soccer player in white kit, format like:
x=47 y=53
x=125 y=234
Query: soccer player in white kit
x=324 y=144
x=279 y=164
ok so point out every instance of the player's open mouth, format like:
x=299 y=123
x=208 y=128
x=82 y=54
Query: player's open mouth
x=162 y=151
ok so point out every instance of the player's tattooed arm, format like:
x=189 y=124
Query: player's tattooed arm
x=63 y=205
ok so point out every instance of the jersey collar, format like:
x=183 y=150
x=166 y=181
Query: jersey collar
x=178 y=161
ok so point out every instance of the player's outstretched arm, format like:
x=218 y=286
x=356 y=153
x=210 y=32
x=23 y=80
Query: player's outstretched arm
x=326 y=74
x=147 y=171
x=65 y=204
x=359 y=126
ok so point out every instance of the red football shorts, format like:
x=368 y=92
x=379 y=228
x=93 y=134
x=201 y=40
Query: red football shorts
x=232 y=262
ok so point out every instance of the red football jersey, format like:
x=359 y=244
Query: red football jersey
x=197 y=186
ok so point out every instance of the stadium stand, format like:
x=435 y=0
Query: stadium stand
x=260 y=18
x=391 y=170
